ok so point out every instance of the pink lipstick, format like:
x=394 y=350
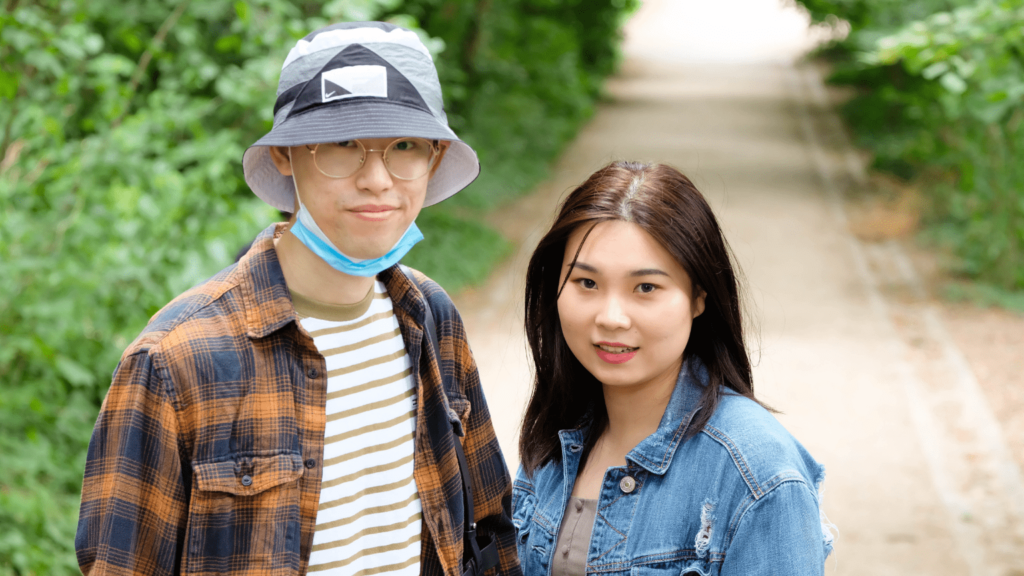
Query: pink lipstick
x=615 y=352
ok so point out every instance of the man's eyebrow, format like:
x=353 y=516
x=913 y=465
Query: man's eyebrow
x=648 y=272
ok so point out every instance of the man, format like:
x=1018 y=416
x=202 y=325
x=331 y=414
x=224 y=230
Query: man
x=288 y=416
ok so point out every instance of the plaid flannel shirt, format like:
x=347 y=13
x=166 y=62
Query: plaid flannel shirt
x=207 y=453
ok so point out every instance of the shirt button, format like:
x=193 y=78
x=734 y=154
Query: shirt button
x=310 y=463
x=313 y=373
x=579 y=505
x=565 y=550
x=246 y=480
x=627 y=484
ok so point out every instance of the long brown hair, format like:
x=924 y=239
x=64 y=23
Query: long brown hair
x=665 y=204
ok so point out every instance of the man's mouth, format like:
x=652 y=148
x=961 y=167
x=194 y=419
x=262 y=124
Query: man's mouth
x=373 y=208
x=373 y=212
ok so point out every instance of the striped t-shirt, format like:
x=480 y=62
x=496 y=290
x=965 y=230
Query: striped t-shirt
x=370 y=517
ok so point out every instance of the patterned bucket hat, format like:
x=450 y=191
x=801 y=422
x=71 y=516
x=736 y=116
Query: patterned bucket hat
x=358 y=80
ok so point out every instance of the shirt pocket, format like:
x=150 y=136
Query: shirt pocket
x=688 y=567
x=245 y=512
x=524 y=503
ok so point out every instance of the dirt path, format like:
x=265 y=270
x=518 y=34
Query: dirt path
x=920 y=477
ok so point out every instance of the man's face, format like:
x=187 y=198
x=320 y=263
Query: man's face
x=364 y=214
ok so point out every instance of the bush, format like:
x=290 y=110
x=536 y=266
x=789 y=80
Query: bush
x=121 y=132
x=941 y=100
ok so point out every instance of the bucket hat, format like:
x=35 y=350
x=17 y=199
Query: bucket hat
x=358 y=80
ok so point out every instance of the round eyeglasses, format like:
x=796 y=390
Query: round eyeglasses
x=405 y=158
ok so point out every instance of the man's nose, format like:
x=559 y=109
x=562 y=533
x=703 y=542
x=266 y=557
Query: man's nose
x=373 y=175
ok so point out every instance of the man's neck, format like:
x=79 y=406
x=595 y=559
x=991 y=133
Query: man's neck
x=307 y=274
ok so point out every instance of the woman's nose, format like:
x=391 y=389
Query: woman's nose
x=612 y=315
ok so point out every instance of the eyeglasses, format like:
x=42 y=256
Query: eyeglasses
x=405 y=158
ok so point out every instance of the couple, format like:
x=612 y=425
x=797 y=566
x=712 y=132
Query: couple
x=316 y=408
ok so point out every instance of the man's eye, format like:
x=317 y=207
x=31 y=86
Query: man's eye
x=405 y=145
x=646 y=288
x=347 y=144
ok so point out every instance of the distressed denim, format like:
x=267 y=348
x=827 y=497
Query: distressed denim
x=738 y=498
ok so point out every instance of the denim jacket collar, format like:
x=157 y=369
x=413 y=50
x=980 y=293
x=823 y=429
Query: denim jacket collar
x=655 y=452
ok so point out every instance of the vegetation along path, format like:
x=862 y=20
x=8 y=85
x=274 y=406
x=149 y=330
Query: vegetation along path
x=921 y=475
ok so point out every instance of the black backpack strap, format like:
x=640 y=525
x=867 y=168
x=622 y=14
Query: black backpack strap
x=475 y=559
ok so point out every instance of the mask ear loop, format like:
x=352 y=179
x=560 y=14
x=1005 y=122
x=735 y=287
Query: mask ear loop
x=295 y=182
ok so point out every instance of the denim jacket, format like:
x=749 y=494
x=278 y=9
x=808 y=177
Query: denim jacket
x=739 y=498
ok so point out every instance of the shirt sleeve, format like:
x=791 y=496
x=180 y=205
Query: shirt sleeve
x=492 y=494
x=134 y=497
x=781 y=533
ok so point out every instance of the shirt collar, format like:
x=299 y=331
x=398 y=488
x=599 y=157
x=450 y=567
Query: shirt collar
x=655 y=452
x=268 y=304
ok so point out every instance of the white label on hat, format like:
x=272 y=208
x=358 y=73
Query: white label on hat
x=354 y=81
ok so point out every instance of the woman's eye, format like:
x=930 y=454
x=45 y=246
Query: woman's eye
x=646 y=288
x=347 y=144
x=587 y=283
x=405 y=145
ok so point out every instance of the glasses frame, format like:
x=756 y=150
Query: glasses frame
x=435 y=150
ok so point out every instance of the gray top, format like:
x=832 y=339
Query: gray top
x=574 y=538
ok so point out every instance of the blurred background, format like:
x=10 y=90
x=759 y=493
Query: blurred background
x=122 y=126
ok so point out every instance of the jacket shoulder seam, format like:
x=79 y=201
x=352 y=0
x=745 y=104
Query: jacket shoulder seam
x=737 y=457
x=188 y=314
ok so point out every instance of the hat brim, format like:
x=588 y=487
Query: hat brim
x=352 y=121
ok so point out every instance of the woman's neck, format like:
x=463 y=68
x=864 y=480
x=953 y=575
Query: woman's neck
x=634 y=412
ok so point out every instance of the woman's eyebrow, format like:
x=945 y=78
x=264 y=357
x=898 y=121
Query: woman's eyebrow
x=648 y=272
x=583 y=266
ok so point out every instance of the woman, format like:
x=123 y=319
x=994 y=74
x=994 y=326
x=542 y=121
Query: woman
x=643 y=448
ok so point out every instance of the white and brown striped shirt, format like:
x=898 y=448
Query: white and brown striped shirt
x=369 y=519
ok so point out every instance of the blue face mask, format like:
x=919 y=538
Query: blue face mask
x=307 y=231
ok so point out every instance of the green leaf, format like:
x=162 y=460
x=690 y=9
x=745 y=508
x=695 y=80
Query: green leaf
x=8 y=84
x=242 y=10
x=935 y=70
x=953 y=82
x=76 y=374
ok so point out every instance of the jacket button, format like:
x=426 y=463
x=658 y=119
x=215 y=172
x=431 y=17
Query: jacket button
x=627 y=484
x=246 y=480
x=312 y=373
x=310 y=463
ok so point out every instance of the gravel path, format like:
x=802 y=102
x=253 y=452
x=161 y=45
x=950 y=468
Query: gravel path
x=850 y=349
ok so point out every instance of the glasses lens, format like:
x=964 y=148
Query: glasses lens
x=338 y=159
x=409 y=158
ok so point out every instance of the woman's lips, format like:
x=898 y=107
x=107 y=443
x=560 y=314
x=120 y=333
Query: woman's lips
x=615 y=352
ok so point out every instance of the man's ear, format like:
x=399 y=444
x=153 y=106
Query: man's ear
x=279 y=154
x=698 y=302
x=444 y=145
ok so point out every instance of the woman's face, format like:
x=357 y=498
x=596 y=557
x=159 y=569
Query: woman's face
x=628 y=307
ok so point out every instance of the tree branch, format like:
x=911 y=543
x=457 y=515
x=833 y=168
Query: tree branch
x=140 y=69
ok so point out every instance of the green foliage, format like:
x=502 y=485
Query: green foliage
x=459 y=252
x=122 y=127
x=941 y=100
